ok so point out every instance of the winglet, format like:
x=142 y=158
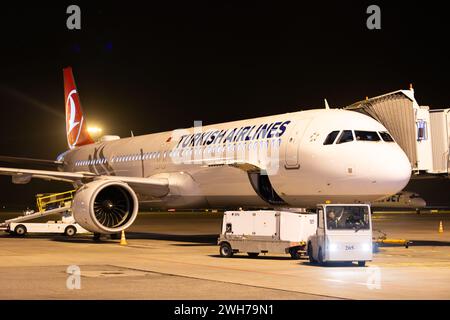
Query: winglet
x=76 y=129
x=326 y=104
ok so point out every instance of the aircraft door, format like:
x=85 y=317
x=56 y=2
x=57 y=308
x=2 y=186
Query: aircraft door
x=293 y=144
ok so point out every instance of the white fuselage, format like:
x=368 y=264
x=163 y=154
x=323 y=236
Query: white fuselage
x=224 y=165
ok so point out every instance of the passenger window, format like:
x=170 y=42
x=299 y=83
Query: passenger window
x=331 y=137
x=346 y=136
x=366 y=136
x=386 y=136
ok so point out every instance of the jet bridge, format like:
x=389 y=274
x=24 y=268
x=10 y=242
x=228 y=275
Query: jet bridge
x=440 y=138
x=422 y=133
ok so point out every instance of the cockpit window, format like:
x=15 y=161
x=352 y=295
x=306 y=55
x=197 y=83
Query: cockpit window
x=346 y=136
x=386 y=136
x=331 y=137
x=366 y=136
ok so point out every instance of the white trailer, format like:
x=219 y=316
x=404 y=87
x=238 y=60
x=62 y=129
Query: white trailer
x=256 y=232
x=344 y=233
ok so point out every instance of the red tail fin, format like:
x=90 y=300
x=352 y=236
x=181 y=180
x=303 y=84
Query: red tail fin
x=76 y=129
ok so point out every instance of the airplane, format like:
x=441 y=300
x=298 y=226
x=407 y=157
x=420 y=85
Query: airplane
x=293 y=160
x=401 y=200
x=406 y=200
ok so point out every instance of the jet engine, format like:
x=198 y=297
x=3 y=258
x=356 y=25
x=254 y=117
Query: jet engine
x=105 y=206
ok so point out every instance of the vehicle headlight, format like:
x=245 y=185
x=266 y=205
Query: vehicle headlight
x=367 y=246
x=332 y=247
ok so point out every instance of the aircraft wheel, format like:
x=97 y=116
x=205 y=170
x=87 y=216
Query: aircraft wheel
x=97 y=236
x=115 y=236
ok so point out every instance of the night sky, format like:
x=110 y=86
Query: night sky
x=149 y=66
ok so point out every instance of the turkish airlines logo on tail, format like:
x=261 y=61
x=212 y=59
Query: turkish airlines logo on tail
x=74 y=119
x=77 y=134
x=72 y=114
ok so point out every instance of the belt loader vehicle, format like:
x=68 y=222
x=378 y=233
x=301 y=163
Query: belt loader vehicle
x=47 y=204
x=66 y=226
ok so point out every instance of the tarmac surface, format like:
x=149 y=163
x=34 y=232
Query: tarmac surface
x=175 y=256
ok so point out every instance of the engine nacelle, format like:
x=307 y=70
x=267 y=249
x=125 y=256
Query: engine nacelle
x=105 y=206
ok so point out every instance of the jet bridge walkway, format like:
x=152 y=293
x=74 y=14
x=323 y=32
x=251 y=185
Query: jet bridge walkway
x=423 y=134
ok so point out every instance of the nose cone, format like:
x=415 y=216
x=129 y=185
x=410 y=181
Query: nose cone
x=390 y=169
x=419 y=203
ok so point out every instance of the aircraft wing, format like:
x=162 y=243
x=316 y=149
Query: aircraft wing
x=155 y=186
x=30 y=161
x=22 y=176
